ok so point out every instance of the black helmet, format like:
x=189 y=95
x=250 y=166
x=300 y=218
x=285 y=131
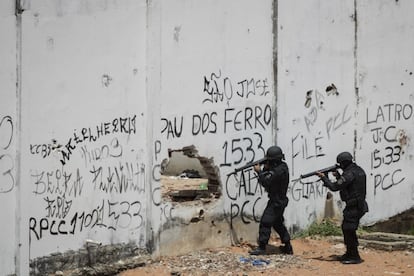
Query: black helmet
x=344 y=159
x=274 y=153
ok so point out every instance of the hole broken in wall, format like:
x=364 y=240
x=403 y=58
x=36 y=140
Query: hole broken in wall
x=187 y=176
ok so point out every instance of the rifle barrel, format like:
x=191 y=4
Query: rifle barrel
x=324 y=170
x=251 y=164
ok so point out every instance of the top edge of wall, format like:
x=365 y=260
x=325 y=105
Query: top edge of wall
x=63 y=8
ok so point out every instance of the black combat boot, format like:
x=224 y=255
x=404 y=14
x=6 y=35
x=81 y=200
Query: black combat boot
x=344 y=256
x=352 y=257
x=260 y=250
x=287 y=249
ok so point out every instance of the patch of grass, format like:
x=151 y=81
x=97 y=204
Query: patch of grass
x=326 y=227
x=365 y=229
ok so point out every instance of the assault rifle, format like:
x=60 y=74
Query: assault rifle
x=251 y=164
x=325 y=170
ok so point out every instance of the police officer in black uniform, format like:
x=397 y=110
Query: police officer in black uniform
x=352 y=186
x=274 y=177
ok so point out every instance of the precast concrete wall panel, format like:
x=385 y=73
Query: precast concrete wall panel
x=83 y=125
x=315 y=96
x=8 y=137
x=385 y=80
x=217 y=95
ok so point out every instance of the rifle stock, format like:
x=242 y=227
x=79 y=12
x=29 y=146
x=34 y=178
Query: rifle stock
x=324 y=170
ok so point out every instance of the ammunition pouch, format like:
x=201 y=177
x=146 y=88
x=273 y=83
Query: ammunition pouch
x=358 y=203
x=352 y=202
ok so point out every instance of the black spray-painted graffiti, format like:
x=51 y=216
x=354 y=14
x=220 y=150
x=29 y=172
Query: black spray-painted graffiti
x=333 y=123
x=236 y=210
x=245 y=149
x=44 y=150
x=254 y=120
x=223 y=89
x=305 y=148
x=108 y=214
x=382 y=122
x=156 y=176
x=57 y=207
x=112 y=150
x=247 y=185
x=58 y=182
x=109 y=170
x=306 y=190
x=244 y=186
x=389 y=113
x=167 y=212
x=122 y=178
x=248 y=118
x=7 y=179
x=118 y=125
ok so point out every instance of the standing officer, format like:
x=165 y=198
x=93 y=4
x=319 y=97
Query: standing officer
x=352 y=187
x=274 y=177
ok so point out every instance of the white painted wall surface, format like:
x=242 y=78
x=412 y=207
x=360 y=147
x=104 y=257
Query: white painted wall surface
x=216 y=94
x=8 y=137
x=184 y=73
x=84 y=87
x=371 y=116
x=315 y=50
x=386 y=113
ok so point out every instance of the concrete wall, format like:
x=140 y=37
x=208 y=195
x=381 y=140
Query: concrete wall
x=221 y=100
x=315 y=52
x=82 y=118
x=357 y=46
x=105 y=88
x=8 y=138
x=386 y=113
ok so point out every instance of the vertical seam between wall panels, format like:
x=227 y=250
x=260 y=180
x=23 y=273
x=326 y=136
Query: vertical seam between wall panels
x=159 y=60
x=18 y=16
x=152 y=67
x=356 y=76
x=149 y=133
x=275 y=67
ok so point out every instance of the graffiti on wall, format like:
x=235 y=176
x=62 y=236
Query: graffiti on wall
x=107 y=168
x=308 y=144
x=242 y=190
x=388 y=143
x=219 y=88
x=251 y=122
x=7 y=166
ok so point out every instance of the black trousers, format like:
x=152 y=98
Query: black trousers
x=272 y=217
x=351 y=217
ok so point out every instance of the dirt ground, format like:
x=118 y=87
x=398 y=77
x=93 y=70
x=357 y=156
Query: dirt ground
x=312 y=256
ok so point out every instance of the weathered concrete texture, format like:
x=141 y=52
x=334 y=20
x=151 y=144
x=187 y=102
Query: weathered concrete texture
x=198 y=233
x=93 y=255
x=401 y=223
x=385 y=241
x=216 y=261
x=110 y=268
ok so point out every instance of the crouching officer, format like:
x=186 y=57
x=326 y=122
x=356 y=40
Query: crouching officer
x=352 y=187
x=274 y=177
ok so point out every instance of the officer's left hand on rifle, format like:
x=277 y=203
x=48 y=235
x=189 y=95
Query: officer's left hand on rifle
x=335 y=173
